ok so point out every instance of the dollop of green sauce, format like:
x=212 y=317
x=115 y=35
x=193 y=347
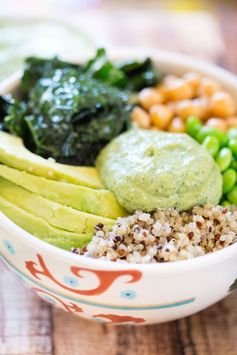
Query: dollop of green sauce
x=150 y=169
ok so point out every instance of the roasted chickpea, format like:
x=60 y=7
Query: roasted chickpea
x=231 y=121
x=162 y=91
x=218 y=123
x=208 y=86
x=178 y=90
x=222 y=104
x=202 y=107
x=154 y=128
x=160 y=116
x=186 y=108
x=169 y=79
x=149 y=97
x=177 y=125
x=141 y=117
x=172 y=106
x=193 y=79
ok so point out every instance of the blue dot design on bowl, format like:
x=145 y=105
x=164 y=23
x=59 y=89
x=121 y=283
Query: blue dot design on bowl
x=129 y=294
x=70 y=281
x=9 y=247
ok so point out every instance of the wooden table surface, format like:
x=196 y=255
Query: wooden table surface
x=30 y=326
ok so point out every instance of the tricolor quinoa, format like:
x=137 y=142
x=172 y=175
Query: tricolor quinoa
x=164 y=235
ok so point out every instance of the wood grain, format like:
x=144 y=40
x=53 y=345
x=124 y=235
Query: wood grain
x=25 y=321
x=212 y=331
x=30 y=326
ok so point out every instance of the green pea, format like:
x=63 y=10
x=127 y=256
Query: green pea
x=214 y=132
x=193 y=126
x=224 y=158
x=226 y=203
x=229 y=179
x=233 y=164
x=211 y=144
x=232 y=133
x=232 y=144
x=232 y=195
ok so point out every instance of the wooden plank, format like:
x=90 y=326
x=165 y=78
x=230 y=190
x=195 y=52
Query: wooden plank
x=82 y=337
x=212 y=331
x=25 y=321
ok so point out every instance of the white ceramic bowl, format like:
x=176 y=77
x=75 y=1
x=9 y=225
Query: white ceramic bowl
x=116 y=292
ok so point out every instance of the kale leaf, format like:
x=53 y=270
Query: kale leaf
x=70 y=116
x=139 y=74
x=36 y=68
x=69 y=111
x=6 y=102
x=131 y=75
x=100 y=67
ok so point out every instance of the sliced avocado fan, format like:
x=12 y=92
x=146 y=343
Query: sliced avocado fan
x=98 y=202
x=55 y=214
x=41 y=229
x=13 y=153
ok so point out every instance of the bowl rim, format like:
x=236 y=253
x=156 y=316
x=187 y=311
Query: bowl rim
x=174 y=58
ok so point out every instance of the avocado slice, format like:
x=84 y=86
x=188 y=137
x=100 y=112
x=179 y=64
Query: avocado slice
x=13 y=153
x=98 y=202
x=41 y=229
x=55 y=214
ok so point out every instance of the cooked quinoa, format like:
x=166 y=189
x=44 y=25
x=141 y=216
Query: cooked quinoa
x=164 y=235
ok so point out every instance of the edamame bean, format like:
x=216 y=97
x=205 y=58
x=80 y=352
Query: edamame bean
x=225 y=203
x=193 y=126
x=223 y=158
x=210 y=131
x=232 y=195
x=232 y=133
x=229 y=179
x=233 y=164
x=212 y=145
x=232 y=144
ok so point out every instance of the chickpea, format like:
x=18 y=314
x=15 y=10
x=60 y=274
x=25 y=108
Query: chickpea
x=222 y=104
x=162 y=91
x=149 y=97
x=172 y=106
x=169 y=79
x=208 y=86
x=187 y=108
x=177 y=125
x=202 y=106
x=161 y=116
x=193 y=79
x=179 y=90
x=231 y=121
x=141 y=117
x=218 y=123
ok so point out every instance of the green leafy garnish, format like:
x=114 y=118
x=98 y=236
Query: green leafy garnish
x=69 y=116
x=6 y=102
x=70 y=111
